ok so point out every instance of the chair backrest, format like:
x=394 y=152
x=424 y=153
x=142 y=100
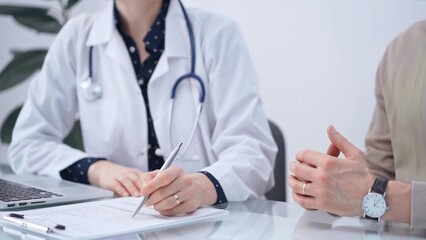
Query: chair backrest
x=278 y=192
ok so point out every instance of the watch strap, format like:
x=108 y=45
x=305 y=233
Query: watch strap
x=380 y=185
x=371 y=218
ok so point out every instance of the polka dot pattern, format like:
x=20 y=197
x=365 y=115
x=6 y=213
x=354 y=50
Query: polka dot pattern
x=221 y=198
x=154 y=41
x=154 y=45
x=77 y=172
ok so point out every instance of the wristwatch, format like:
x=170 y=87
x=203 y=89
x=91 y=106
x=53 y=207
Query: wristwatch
x=374 y=203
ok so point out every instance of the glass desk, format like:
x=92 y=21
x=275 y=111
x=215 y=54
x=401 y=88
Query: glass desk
x=263 y=219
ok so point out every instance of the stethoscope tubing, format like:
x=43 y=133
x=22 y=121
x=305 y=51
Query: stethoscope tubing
x=190 y=75
x=193 y=129
x=93 y=91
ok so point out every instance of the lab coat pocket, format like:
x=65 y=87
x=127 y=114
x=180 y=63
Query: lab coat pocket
x=100 y=126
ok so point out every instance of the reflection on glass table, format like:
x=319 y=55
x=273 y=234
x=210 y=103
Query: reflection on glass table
x=263 y=219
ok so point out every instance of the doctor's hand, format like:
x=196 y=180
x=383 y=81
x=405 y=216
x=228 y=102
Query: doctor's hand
x=124 y=181
x=329 y=183
x=174 y=192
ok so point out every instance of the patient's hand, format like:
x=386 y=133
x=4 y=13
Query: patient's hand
x=326 y=182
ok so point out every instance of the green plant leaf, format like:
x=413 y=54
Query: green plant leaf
x=71 y=3
x=8 y=125
x=43 y=23
x=74 y=138
x=33 y=17
x=22 y=66
x=22 y=11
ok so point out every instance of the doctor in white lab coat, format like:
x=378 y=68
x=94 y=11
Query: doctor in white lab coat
x=233 y=141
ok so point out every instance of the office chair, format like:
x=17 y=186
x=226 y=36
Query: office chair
x=278 y=192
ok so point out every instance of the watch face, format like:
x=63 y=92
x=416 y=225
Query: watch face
x=374 y=205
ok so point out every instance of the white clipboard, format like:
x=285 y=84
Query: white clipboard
x=105 y=218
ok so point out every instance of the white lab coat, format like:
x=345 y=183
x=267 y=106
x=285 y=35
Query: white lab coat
x=233 y=142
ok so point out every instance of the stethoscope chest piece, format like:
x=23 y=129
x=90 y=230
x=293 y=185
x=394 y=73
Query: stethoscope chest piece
x=91 y=90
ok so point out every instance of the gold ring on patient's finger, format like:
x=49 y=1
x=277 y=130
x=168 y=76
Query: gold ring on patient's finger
x=304 y=188
x=176 y=197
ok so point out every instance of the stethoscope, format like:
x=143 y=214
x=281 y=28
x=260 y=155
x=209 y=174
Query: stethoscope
x=93 y=90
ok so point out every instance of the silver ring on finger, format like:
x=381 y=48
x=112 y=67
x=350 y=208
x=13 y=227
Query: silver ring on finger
x=177 y=200
x=304 y=188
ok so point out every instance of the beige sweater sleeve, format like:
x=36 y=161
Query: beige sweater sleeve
x=418 y=210
x=396 y=139
x=378 y=145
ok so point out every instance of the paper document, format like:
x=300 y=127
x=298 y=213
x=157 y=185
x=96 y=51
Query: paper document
x=110 y=217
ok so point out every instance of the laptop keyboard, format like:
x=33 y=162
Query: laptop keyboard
x=10 y=191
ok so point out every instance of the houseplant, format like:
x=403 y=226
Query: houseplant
x=43 y=20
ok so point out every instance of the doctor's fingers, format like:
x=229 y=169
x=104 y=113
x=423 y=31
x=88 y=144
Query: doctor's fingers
x=186 y=207
x=181 y=184
x=180 y=202
x=130 y=182
x=119 y=189
x=162 y=179
x=144 y=178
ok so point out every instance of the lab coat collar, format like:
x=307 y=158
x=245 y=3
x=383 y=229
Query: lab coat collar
x=103 y=27
x=176 y=37
x=176 y=43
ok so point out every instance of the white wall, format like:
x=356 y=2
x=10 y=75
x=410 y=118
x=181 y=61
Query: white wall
x=316 y=59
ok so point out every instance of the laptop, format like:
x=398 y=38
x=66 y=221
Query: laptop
x=22 y=191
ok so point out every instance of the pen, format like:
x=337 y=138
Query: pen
x=19 y=219
x=166 y=164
